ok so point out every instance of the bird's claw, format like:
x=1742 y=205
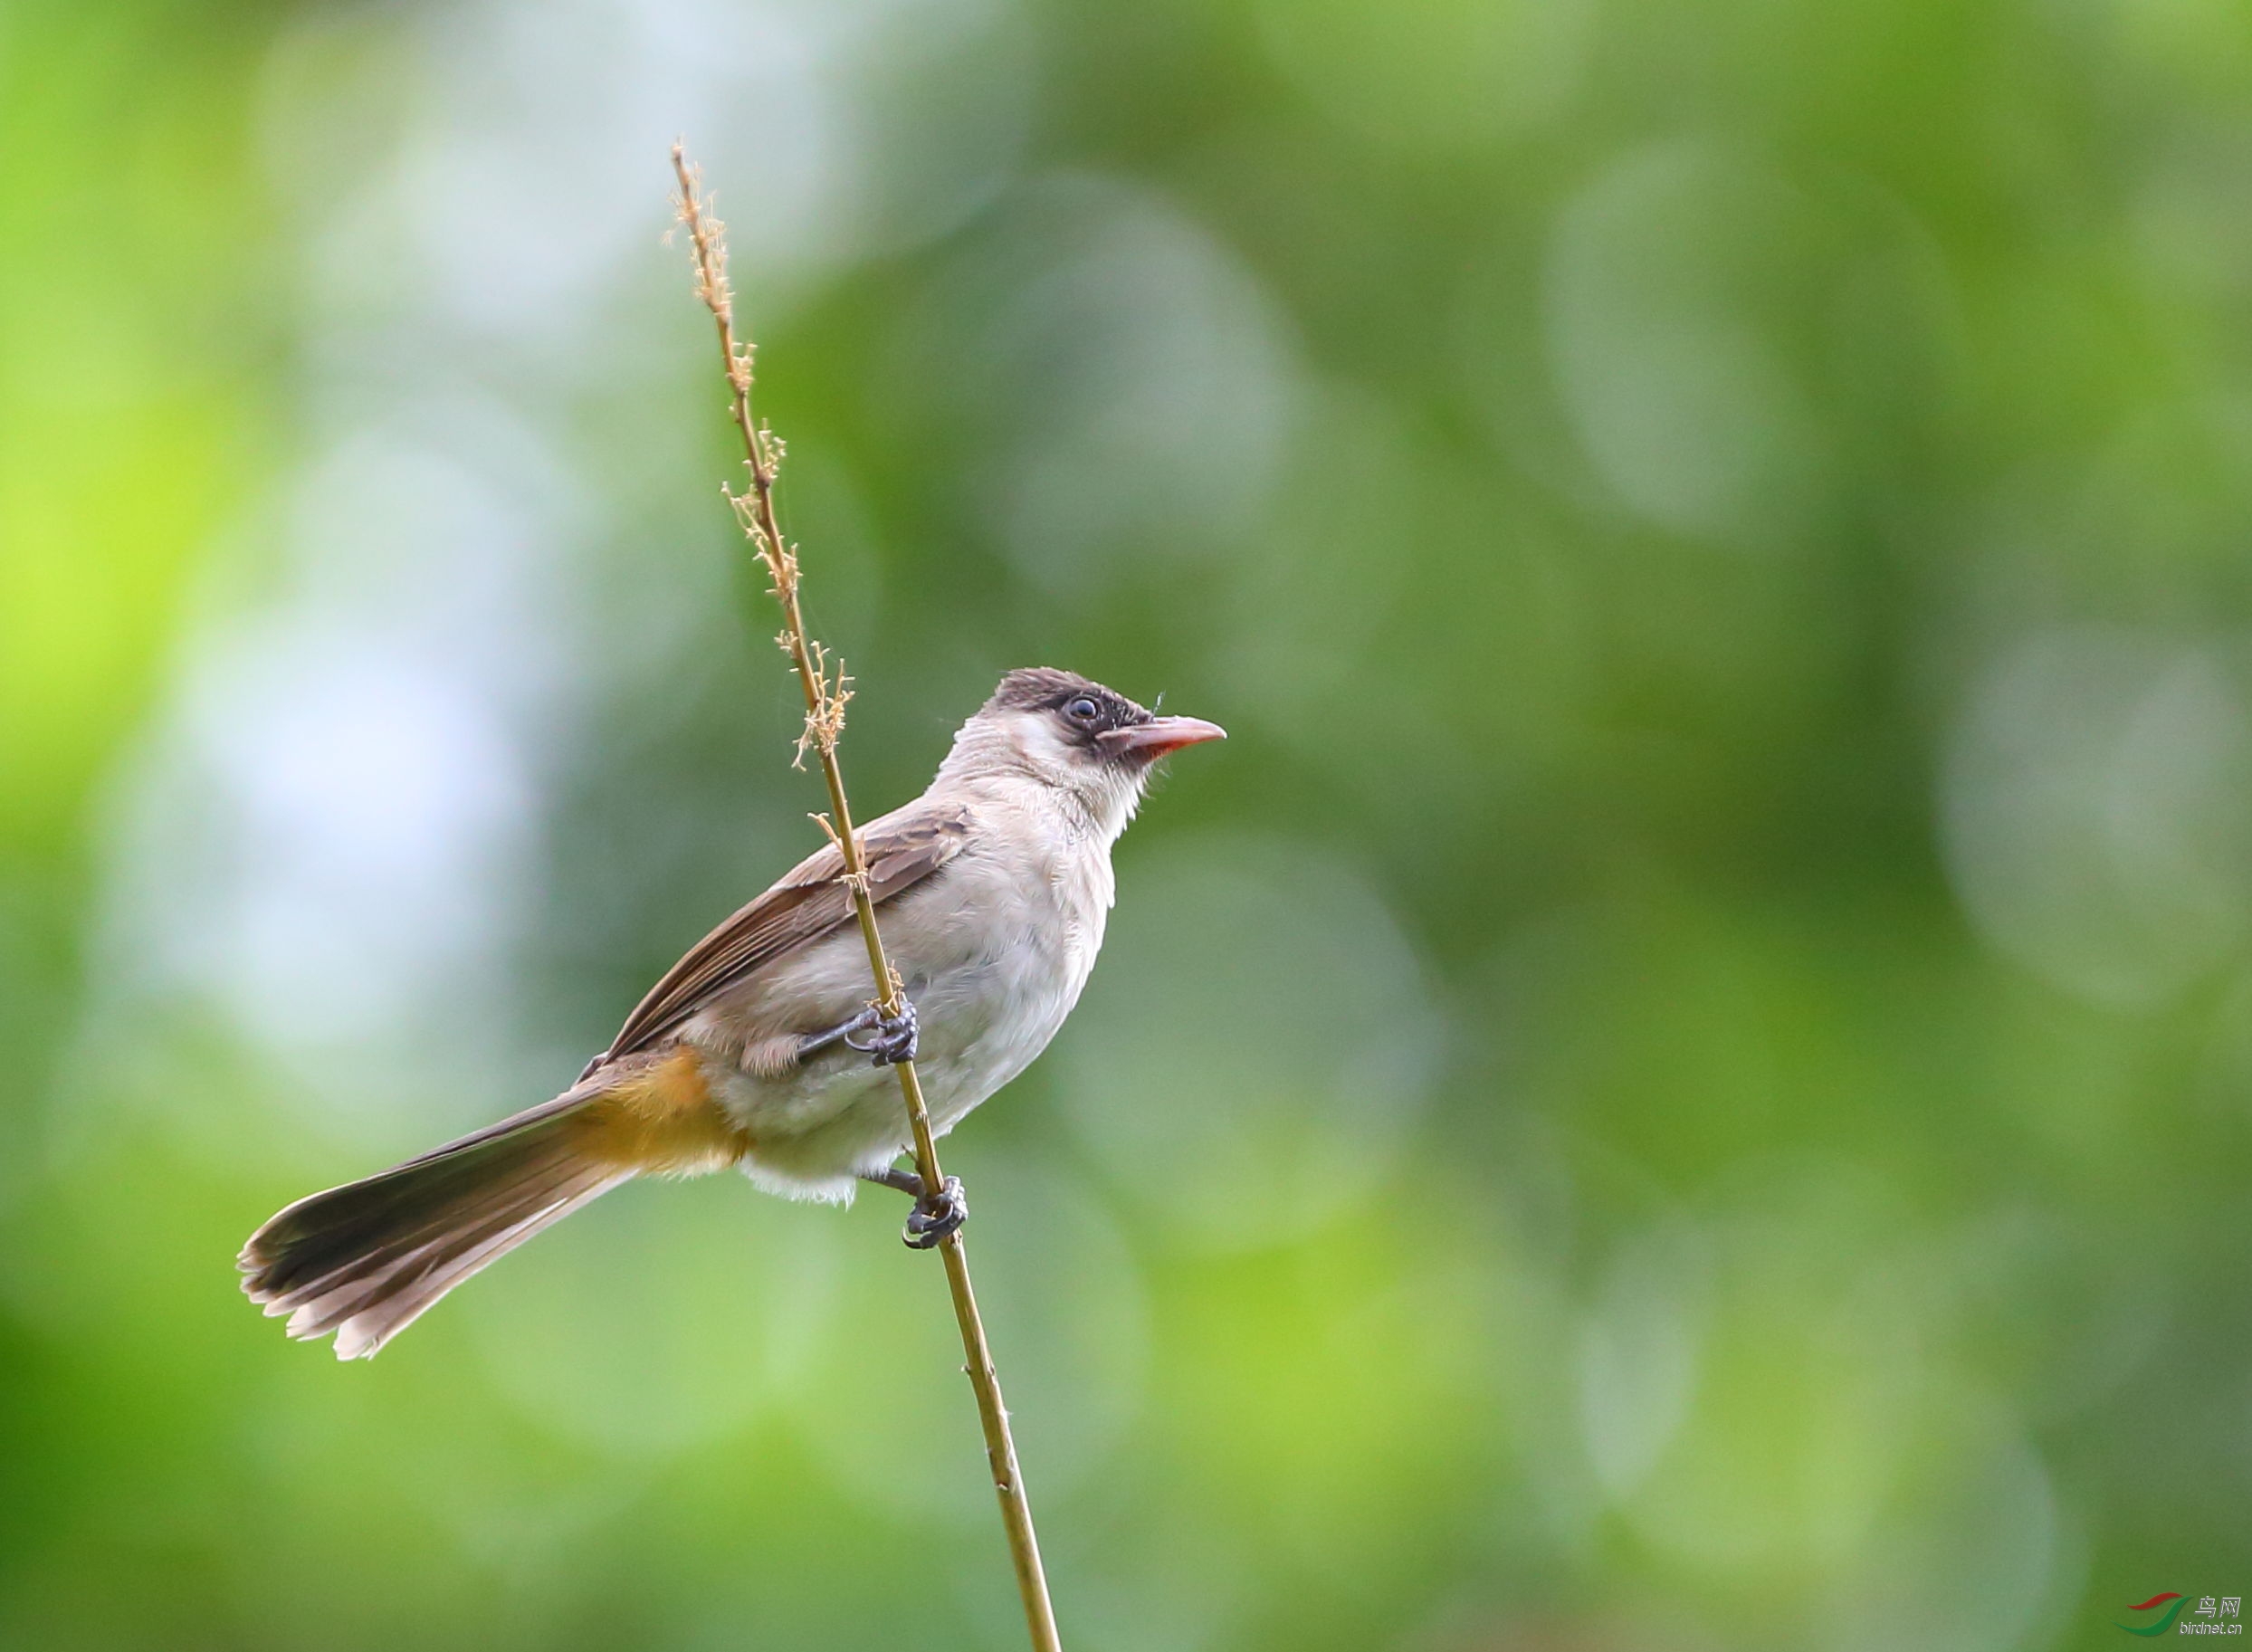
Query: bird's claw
x=889 y=1038
x=934 y=1218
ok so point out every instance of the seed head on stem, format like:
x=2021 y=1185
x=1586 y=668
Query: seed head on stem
x=826 y=688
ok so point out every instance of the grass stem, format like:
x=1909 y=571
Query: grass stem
x=826 y=688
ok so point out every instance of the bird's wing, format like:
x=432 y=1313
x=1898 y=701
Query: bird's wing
x=900 y=850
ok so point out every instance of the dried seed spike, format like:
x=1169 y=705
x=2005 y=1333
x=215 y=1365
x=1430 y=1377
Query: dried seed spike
x=825 y=701
x=825 y=717
x=781 y=567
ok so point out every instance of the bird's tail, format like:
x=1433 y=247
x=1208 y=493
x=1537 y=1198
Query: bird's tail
x=365 y=1259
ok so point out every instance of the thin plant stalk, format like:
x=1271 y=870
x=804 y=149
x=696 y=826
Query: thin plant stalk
x=827 y=689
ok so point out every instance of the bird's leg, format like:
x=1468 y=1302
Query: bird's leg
x=933 y=1218
x=887 y=1038
x=894 y=1038
x=813 y=1043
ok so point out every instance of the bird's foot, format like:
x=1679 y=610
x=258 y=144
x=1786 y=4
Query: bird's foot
x=886 y=1040
x=934 y=1218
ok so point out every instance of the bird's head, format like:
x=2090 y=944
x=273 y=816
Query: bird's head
x=1077 y=735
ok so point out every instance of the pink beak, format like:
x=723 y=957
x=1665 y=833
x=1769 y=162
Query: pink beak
x=1160 y=735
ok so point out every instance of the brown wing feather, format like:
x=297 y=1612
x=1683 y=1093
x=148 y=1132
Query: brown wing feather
x=900 y=849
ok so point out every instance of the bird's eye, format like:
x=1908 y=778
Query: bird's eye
x=1083 y=710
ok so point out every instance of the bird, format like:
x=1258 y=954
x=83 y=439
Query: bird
x=762 y=1050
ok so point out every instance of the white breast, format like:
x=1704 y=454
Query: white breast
x=1024 y=925
x=994 y=950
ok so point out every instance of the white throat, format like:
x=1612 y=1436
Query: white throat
x=1024 y=745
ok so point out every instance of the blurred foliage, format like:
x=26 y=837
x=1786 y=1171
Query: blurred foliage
x=1684 y=1081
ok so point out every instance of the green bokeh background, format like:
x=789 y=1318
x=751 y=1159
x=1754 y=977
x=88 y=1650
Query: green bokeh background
x=1684 y=1079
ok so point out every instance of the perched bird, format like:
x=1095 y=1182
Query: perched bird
x=761 y=1050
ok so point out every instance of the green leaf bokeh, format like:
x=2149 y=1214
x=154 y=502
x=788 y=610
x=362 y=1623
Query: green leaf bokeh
x=1684 y=1081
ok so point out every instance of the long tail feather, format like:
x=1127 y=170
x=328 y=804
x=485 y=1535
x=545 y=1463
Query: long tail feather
x=365 y=1259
